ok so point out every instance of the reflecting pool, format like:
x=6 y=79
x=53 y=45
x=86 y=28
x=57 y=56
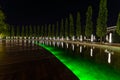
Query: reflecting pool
x=86 y=62
x=24 y=60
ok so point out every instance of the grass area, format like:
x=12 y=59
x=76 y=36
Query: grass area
x=83 y=69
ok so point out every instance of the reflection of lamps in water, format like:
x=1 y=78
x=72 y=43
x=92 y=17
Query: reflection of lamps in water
x=50 y=43
x=58 y=43
x=80 y=49
x=42 y=42
x=28 y=41
x=24 y=42
x=39 y=42
x=77 y=45
x=32 y=42
x=67 y=45
x=62 y=44
x=109 y=58
x=73 y=47
x=91 y=52
x=109 y=55
x=84 y=46
x=53 y=43
x=46 y=42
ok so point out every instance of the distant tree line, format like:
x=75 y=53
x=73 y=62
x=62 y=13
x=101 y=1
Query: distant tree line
x=65 y=28
x=68 y=27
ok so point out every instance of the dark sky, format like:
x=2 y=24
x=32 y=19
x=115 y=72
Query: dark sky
x=48 y=11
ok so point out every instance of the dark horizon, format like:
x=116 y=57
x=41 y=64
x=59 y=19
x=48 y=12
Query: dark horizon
x=34 y=12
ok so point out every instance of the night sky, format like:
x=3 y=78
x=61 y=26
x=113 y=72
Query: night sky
x=36 y=12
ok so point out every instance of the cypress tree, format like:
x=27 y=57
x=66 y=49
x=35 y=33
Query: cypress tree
x=57 y=29
x=71 y=28
x=118 y=25
x=26 y=29
x=12 y=31
x=49 y=30
x=18 y=31
x=89 y=23
x=30 y=31
x=102 y=19
x=46 y=33
x=41 y=31
x=23 y=31
x=66 y=28
x=34 y=30
x=78 y=25
x=3 y=25
x=62 y=29
x=53 y=27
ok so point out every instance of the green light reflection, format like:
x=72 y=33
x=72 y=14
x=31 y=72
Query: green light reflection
x=83 y=69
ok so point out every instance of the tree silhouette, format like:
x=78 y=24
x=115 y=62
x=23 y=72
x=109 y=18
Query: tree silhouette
x=23 y=31
x=89 y=23
x=12 y=31
x=62 y=29
x=57 y=29
x=53 y=27
x=3 y=25
x=118 y=25
x=18 y=31
x=30 y=31
x=78 y=25
x=102 y=19
x=71 y=28
x=66 y=28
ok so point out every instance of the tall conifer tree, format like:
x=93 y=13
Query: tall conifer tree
x=118 y=25
x=89 y=23
x=102 y=19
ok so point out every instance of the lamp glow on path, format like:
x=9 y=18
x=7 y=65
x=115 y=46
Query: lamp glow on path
x=83 y=69
x=67 y=45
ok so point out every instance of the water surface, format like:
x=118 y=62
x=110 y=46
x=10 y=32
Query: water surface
x=86 y=62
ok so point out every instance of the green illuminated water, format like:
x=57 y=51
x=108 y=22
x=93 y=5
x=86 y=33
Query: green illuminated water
x=82 y=68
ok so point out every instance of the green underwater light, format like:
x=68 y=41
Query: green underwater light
x=83 y=69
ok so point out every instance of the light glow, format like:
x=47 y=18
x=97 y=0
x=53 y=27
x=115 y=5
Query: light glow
x=92 y=38
x=73 y=47
x=109 y=55
x=110 y=38
x=80 y=49
x=81 y=38
x=67 y=45
x=91 y=52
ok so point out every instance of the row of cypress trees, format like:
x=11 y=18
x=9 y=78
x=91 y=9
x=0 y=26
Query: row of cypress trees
x=64 y=28
x=67 y=27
